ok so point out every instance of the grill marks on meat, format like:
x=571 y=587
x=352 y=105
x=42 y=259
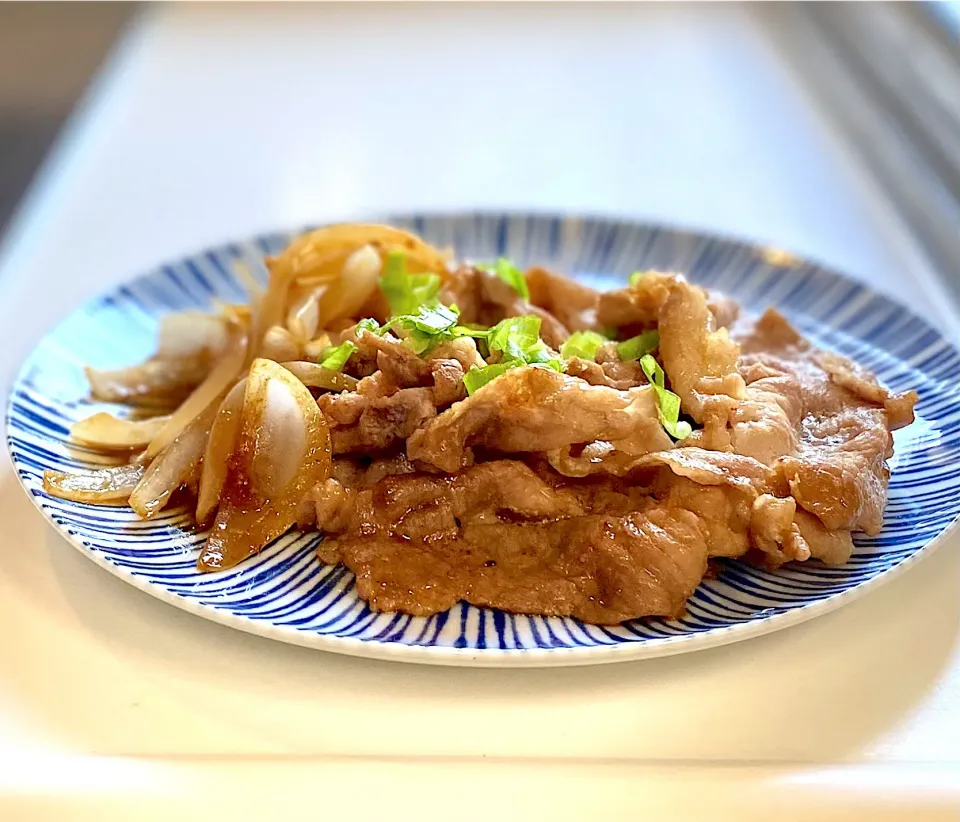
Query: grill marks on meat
x=498 y=535
x=537 y=409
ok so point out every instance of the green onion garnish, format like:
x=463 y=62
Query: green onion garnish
x=583 y=344
x=510 y=274
x=335 y=358
x=668 y=403
x=639 y=346
x=406 y=292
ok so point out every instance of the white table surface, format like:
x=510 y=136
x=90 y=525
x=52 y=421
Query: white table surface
x=216 y=122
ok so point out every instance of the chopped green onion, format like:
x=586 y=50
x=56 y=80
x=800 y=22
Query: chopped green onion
x=583 y=344
x=637 y=276
x=369 y=324
x=478 y=377
x=431 y=319
x=518 y=338
x=406 y=292
x=510 y=274
x=430 y=325
x=668 y=403
x=639 y=346
x=335 y=358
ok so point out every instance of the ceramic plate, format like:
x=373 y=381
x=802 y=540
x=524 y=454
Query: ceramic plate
x=286 y=594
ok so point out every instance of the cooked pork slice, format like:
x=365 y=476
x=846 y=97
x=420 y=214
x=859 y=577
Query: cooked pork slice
x=835 y=464
x=498 y=535
x=573 y=304
x=831 y=547
x=398 y=362
x=461 y=349
x=379 y=414
x=701 y=363
x=608 y=369
x=484 y=299
x=537 y=409
x=725 y=311
x=361 y=424
x=765 y=423
x=863 y=383
x=636 y=307
x=743 y=503
x=839 y=471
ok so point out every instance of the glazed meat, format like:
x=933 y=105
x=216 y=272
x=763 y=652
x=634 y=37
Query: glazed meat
x=835 y=465
x=497 y=535
x=515 y=440
x=484 y=299
x=537 y=409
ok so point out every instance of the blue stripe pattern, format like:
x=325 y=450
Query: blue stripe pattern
x=285 y=593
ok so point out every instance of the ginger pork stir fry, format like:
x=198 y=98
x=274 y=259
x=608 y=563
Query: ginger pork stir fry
x=513 y=439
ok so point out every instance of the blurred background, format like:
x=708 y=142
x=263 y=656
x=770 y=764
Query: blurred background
x=887 y=77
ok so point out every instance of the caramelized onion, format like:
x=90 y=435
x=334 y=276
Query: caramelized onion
x=279 y=345
x=221 y=378
x=303 y=315
x=344 y=297
x=220 y=445
x=313 y=375
x=102 y=486
x=282 y=451
x=314 y=349
x=190 y=333
x=109 y=433
x=153 y=383
x=176 y=465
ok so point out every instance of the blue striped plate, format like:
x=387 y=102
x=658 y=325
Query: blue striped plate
x=286 y=594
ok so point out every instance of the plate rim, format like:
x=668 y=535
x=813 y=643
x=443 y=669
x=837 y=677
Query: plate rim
x=574 y=656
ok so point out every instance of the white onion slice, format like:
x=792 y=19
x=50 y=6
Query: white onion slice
x=220 y=446
x=102 y=486
x=279 y=345
x=282 y=451
x=346 y=296
x=303 y=315
x=313 y=375
x=109 y=433
x=176 y=465
x=189 y=333
x=222 y=377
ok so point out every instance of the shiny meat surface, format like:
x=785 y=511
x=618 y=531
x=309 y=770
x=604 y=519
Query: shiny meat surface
x=497 y=436
x=562 y=494
x=497 y=535
x=835 y=466
x=484 y=299
x=572 y=303
x=537 y=409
